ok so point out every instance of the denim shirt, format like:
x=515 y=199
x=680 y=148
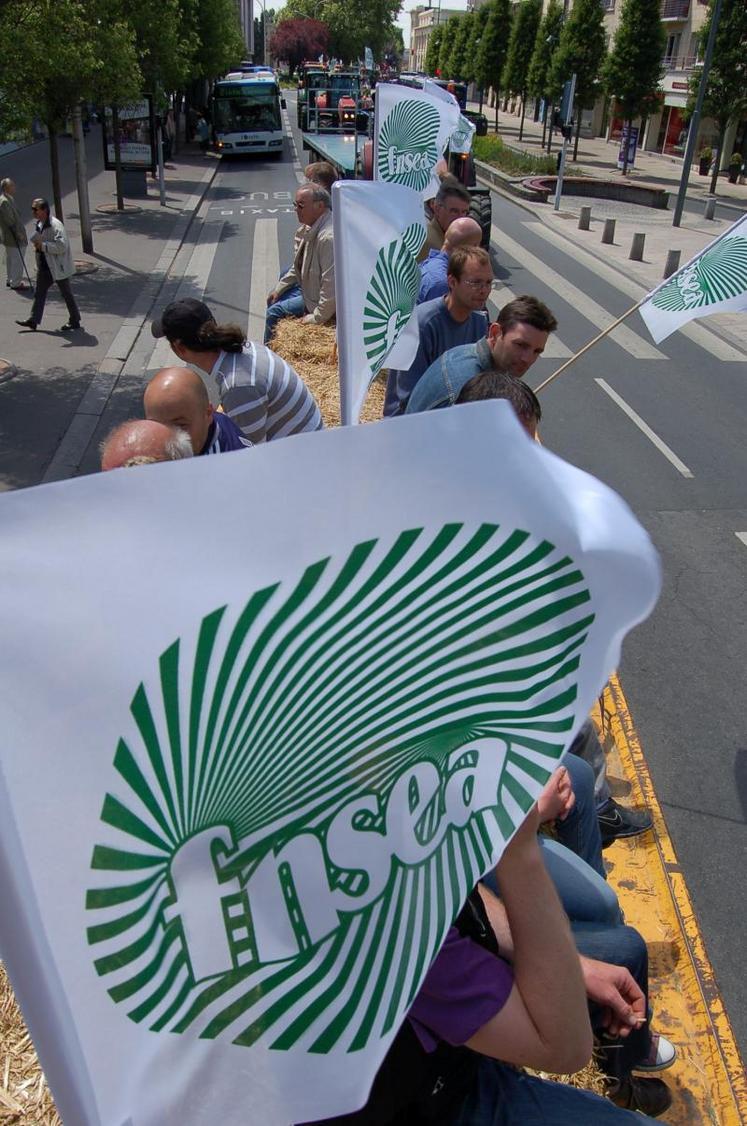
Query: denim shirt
x=440 y=385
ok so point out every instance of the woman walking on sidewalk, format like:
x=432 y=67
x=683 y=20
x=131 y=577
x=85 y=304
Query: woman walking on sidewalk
x=13 y=234
x=54 y=263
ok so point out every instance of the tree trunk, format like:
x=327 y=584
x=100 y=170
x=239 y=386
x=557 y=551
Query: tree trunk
x=716 y=162
x=626 y=145
x=54 y=164
x=117 y=158
x=480 y=106
x=81 y=177
x=578 y=130
x=544 y=125
x=523 y=112
x=497 y=100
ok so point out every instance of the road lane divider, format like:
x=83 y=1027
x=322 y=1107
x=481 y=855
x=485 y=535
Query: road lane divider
x=644 y=427
x=264 y=274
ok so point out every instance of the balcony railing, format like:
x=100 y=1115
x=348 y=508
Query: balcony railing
x=679 y=62
x=675 y=9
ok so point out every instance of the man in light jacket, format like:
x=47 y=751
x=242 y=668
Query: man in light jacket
x=54 y=263
x=313 y=266
x=13 y=235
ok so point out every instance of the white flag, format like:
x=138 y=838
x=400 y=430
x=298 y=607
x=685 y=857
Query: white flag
x=714 y=281
x=462 y=137
x=241 y=805
x=379 y=229
x=368 y=58
x=412 y=129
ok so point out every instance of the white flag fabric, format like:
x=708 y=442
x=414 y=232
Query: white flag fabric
x=411 y=131
x=714 y=281
x=378 y=231
x=266 y=718
x=462 y=137
x=368 y=58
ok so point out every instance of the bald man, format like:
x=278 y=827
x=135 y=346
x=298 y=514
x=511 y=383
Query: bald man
x=433 y=271
x=140 y=442
x=178 y=397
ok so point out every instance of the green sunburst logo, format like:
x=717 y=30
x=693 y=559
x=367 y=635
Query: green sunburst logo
x=306 y=789
x=720 y=273
x=407 y=151
x=392 y=294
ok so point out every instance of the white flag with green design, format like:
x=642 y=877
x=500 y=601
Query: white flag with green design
x=266 y=718
x=411 y=131
x=378 y=231
x=714 y=281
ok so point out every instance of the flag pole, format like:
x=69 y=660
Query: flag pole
x=586 y=347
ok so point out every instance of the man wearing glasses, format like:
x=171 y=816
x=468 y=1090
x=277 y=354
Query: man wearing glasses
x=446 y=322
x=313 y=268
x=54 y=263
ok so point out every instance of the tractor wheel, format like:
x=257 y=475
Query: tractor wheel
x=481 y=209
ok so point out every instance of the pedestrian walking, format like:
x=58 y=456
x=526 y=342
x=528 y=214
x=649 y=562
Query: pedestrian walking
x=203 y=134
x=13 y=234
x=54 y=263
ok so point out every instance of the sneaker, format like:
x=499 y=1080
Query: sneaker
x=616 y=821
x=661 y=1054
x=70 y=327
x=649 y=1096
x=28 y=323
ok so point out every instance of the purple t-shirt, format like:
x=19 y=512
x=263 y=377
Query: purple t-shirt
x=465 y=986
x=224 y=435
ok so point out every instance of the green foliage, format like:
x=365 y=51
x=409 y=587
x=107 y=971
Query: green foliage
x=448 y=42
x=581 y=52
x=353 y=24
x=433 y=50
x=726 y=93
x=494 y=45
x=492 y=150
x=633 y=67
x=220 y=45
x=459 y=62
x=479 y=22
x=521 y=46
x=545 y=45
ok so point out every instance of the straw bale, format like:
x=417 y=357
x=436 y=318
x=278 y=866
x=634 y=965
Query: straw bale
x=25 y=1098
x=312 y=351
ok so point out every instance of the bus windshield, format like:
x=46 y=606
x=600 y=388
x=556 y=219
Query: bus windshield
x=245 y=108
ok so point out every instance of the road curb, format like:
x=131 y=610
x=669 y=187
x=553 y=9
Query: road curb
x=76 y=439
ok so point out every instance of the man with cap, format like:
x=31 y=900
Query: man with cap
x=178 y=397
x=257 y=389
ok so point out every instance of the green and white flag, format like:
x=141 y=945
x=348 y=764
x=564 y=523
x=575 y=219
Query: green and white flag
x=714 y=281
x=378 y=231
x=266 y=718
x=462 y=137
x=411 y=131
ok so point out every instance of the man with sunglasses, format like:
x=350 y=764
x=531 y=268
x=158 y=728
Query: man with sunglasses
x=313 y=268
x=54 y=263
x=446 y=322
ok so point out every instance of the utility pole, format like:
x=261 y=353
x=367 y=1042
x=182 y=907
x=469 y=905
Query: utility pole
x=569 y=93
x=81 y=176
x=692 y=133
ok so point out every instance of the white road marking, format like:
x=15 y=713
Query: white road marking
x=264 y=274
x=696 y=333
x=500 y=295
x=652 y=436
x=296 y=162
x=632 y=343
x=742 y=536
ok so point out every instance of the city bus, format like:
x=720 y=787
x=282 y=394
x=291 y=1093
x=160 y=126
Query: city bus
x=246 y=114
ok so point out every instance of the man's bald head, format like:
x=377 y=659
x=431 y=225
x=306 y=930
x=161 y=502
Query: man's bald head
x=178 y=397
x=462 y=232
x=140 y=442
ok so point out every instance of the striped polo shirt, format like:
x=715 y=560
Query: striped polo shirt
x=263 y=395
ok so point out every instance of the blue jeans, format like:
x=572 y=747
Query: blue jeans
x=580 y=830
x=502 y=1096
x=586 y=746
x=285 y=307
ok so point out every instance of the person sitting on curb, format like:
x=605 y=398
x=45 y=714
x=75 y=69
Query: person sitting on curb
x=178 y=397
x=257 y=389
x=313 y=268
x=143 y=442
x=459 y=318
x=433 y=270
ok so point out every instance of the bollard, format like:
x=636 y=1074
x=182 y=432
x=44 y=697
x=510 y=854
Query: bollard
x=584 y=219
x=673 y=263
x=710 y=209
x=608 y=234
x=636 y=247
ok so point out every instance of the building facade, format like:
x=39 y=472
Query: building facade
x=422 y=22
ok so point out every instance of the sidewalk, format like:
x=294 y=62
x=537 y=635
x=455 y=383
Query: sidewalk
x=65 y=378
x=598 y=158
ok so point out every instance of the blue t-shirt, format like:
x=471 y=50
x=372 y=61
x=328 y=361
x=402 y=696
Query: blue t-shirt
x=224 y=435
x=438 y=333
x=433 y=281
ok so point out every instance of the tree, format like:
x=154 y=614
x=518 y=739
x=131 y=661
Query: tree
x=520 y=49
x=726 y=93
x=353 y=24
x=220 y=45
x=545 y=45
x=479 y=20
x=433 y=49
x=494 y=48
x=459 y=64
x=581 y=52
x=297 y=39
x=633 y=67
x=451 y=32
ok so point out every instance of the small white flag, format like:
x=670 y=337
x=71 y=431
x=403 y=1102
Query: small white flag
x=368 y=58
x=379 y=229
x=714 y=281
x=412 y=130
x=461 y=139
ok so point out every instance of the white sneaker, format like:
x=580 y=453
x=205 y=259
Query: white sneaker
x=661 y=1055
